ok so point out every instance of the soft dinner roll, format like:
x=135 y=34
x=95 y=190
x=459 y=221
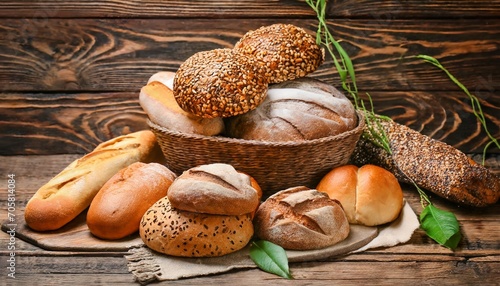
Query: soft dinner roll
x=370 y=194
x=219 y=83
x=214 y=189
x=302 y=109
x=189 y=234
x=117 y=209
x=286 y=51
x=300 y=218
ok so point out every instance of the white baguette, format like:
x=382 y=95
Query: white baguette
x=70 y=192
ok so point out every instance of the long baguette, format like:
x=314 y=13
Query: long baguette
x=432 y=165
x=71 y=191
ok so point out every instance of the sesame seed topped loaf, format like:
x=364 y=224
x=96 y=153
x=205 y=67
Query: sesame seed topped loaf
x=432 y=165
x=219 y=83
x=189 y=234
x=287 y=51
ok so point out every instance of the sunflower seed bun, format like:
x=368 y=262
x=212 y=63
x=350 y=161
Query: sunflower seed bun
x=286 y=51
x=219 y=83
x=190 y=234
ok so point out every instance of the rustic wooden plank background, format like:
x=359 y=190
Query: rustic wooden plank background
x=70 y=72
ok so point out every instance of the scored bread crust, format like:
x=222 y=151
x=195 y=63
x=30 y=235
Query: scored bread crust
x=299 y=218
x=71 y=191
x=189 y=234
x=297 y=110
x=215 y=189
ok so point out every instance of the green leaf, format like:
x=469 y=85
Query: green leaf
x=270 y=258
x=440 y=225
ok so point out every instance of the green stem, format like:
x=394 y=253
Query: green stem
x=475 y=103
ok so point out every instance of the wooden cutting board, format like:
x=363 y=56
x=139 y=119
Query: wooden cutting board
x=75 y=236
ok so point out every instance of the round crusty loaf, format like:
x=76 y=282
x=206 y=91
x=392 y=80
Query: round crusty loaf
x=286 y=51
x=71 y=191
x=370 y=194
x=188 y=234
x=117 y=209
x=300 y=218
x=219 y=83
x=214 y=189
x=302 y=109
x=158 y=101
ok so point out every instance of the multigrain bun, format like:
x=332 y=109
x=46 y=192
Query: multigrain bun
x=286 y=51
x=370 y=194
x=300 y=218
x=302 y=109
x=219 y=83
x=214 y=189
x=69 y=193
x=118 y=207
x=189 y=234
x=158 y=101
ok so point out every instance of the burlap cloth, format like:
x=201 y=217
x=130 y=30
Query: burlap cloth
x=149 y=266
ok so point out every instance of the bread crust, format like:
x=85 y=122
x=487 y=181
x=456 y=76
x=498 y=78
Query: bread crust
x=432 y=165
x=215 y=189
x=189 y=234
x=71 y=191
x=158 y=101
x=370 y=194
x=299 y=218
x=117 y=209
x=284 y=50
x=302 y=109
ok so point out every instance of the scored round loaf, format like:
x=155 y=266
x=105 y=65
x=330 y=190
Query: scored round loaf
x=117 y=209
x=286 y=51
x=300 y=218
x=302 y=109
x=219 y=83
x=369 y=194
x=215 y=189
x=189 y=234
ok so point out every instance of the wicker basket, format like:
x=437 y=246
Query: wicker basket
x=275 y=165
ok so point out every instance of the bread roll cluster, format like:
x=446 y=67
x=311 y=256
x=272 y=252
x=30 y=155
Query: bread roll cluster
x=257 y=90
x=207 y=212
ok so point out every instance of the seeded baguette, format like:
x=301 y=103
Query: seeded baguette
x=70 y=192
x=432 y=165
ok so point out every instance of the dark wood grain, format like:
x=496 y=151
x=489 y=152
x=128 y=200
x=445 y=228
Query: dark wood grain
x=476 y=261
x=379 y=9
x=118 y=55
x=59 y=123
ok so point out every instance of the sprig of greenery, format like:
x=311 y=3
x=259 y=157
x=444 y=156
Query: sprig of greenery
x=442 y=226
x=475 y=103
x=345 y=69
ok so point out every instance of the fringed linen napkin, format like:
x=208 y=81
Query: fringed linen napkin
x=149 y=266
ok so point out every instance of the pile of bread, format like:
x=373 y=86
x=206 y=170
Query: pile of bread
x=258 y=90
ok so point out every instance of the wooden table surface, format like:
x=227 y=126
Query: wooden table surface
x=418 y=262
x=70 y=73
